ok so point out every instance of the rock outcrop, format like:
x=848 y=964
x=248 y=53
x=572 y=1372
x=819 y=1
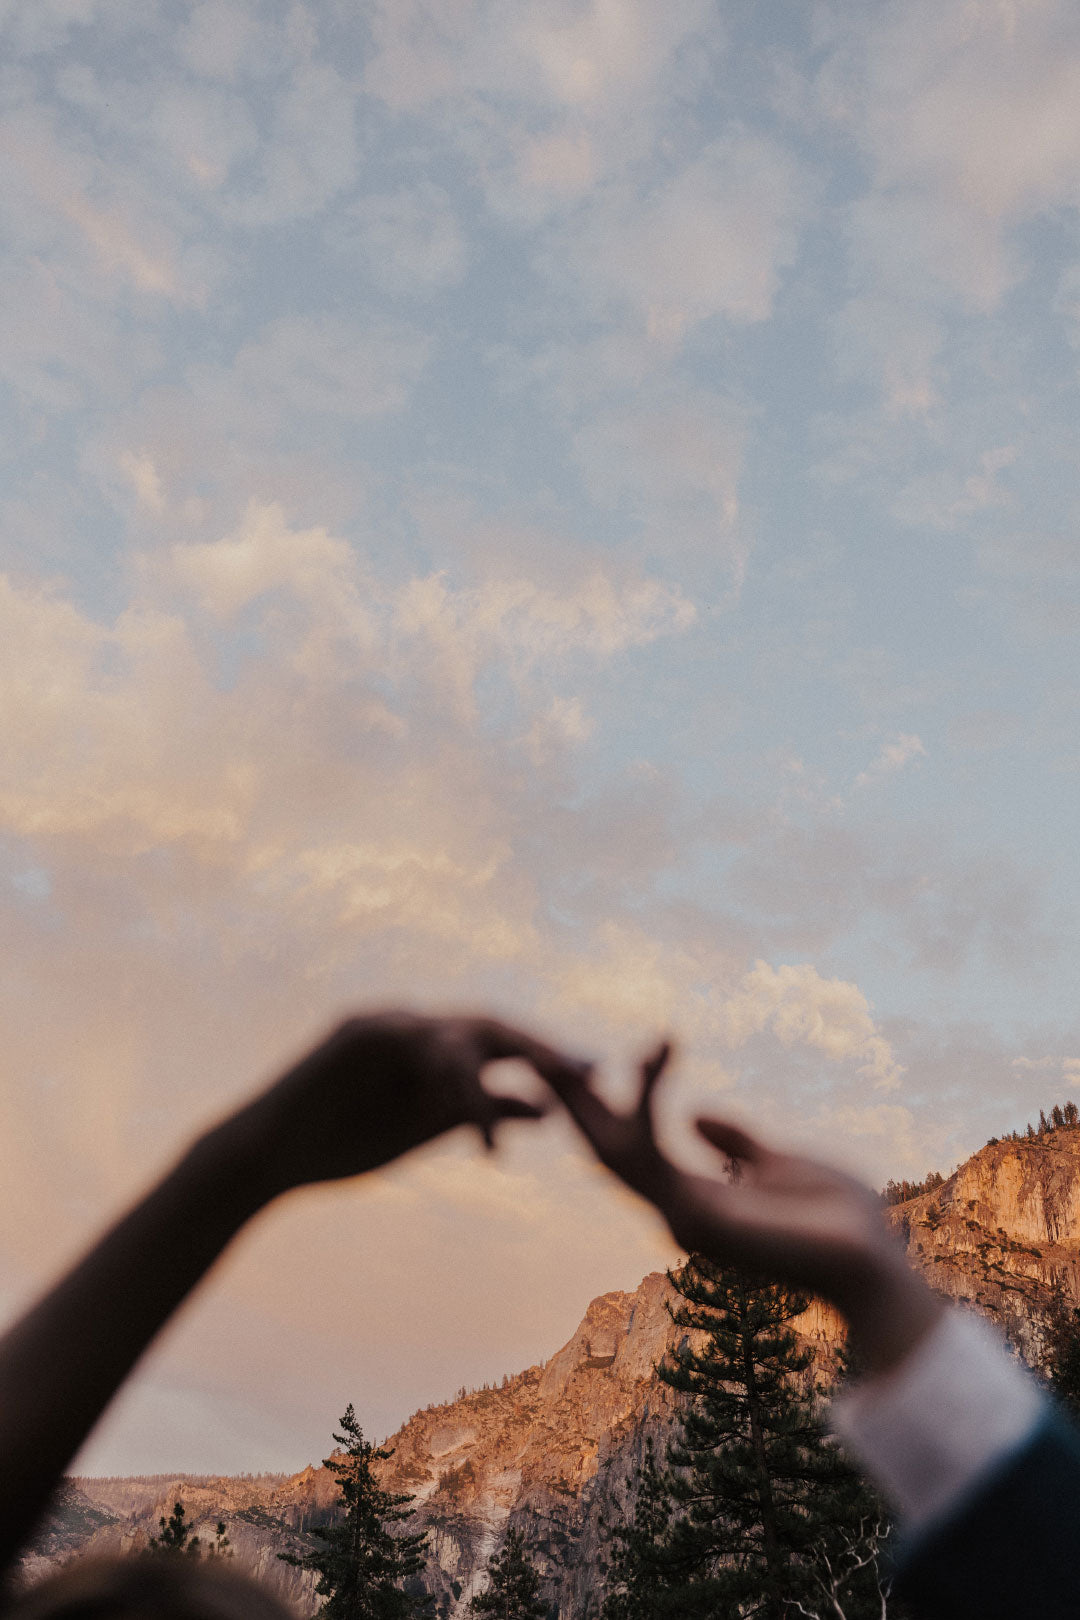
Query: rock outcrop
x=551 y=1449
x=1003 y=1232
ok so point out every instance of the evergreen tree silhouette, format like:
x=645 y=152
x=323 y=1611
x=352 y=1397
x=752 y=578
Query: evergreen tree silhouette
x=362 y=1561
x=175 y=1533
x=1060 y=1359
x=513 y=1589
x=755 y=1513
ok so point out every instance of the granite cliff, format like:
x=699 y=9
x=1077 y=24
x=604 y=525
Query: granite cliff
x=552 y=1448
x=1003 y=1231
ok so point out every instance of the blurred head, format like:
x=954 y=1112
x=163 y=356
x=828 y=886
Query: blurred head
x=147 y=1589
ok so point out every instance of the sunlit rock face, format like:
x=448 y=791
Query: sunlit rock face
x=548 y=1450
x=554 y=1447
x=1002 y=1231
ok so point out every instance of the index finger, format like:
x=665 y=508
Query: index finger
x=599 y=1124
x=732 y=1140
x=494 y=1040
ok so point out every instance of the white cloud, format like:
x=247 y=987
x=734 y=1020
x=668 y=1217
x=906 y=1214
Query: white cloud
x=712 y=239
x=67 y=203
x=583 y=57
x=892 y=757
x=966 y=114
x=566 y=721
x=417 y=887
x=217 y=37
x=311 y=154
x=528 y=626
x=119 y=733
x=674 y=464
x=801 y=1008
x=639 y=982
x=265 y=554
x=143 y=475
x=409 y=241
x=316 y=364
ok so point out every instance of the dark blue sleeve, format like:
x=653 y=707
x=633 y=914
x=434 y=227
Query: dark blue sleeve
x=1013 y=1549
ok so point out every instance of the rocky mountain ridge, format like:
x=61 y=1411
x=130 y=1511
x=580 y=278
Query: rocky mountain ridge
x=552 y=1449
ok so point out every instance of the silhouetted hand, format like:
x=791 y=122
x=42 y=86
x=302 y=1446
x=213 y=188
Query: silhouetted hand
x=381 y=1085
x=778 y=1215
x=375 y=1088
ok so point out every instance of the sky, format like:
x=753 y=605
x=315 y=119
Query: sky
x=568 y=509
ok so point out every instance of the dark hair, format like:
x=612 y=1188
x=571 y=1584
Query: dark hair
x=145 y=1588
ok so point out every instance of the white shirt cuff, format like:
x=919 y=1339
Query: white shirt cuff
x=927 y=1431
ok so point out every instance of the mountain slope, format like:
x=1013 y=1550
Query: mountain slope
x=552 y=1449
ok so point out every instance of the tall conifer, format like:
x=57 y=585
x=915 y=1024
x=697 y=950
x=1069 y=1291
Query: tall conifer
x=362 y=1561
x=756 y=1514
x=513 y=1589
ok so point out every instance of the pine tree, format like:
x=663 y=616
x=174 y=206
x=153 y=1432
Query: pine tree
x=755 y=1514
x=640 y=1578
x=174 y=1534
x=1060 y=1359
x=221 y=1546
x=362 y=1561
x=513 y=1589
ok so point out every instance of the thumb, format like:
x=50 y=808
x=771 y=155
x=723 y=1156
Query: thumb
x=500 y=1108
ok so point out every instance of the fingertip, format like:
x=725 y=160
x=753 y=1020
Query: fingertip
x=730 y=1139
x=652 y=1068
x=518 y=1108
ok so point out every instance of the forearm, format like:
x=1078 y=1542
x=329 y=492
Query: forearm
x=61 y=1364
x=889 y=1309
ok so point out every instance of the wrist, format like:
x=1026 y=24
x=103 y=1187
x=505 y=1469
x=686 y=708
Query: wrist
x=889 y=1310
x=234 y=1159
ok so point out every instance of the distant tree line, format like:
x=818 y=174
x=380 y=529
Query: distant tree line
x=898 y=1192
x=1063 y=1116
x=176 y=1537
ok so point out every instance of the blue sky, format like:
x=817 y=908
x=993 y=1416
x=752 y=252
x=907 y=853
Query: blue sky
x=570 y=508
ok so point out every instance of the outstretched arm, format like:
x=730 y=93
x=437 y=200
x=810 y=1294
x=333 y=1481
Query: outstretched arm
x=376 y=1088
x=782 y=1217
x=984 y=1477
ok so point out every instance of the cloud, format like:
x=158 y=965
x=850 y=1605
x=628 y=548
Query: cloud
x=672 y=458
x=801 y=1008
x=59 y=195
x=265 y=554
x=101 y=713
x=564 y=722
x=711 y=240
x=965 y=117
x=1068 y=1067
x=326 y=365
x=144 y=479
x=636 y=980
x=410 y=241
x=311 y=153
x=529 y=623
x=587 y=59
x=218 y=37
x=891 y=758
x=34 y=29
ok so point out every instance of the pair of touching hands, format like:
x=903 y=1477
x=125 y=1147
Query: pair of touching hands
x=384 y=1084
x=376 y=1088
